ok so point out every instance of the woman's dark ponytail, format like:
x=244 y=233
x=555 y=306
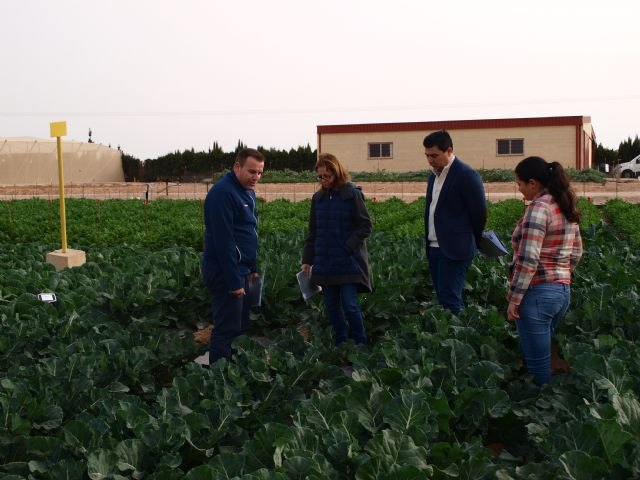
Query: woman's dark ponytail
x=560 y=188
x=553 y=177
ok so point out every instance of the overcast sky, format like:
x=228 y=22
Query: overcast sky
x=156 y=76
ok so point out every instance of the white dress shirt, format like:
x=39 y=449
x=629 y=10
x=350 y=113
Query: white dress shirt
x=435 y=195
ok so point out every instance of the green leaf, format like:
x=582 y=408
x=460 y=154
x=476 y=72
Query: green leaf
x=340 y=445
x=229 y=465
x=202 y=472
x=582 y=466
x=390 y=452
x=130 y=454
x=456 y=354
x=321 y=409
x=40 y=467
x=628 y=410
x=390 y=376
x=19 y=425
x=444 y=413
x=306 y=465
x=407 y=410
x=101 y=464
x=614 y=439
x=369 y=403
x=374 y=470
x=264 y=474
x=48 y=417
x=260 y=451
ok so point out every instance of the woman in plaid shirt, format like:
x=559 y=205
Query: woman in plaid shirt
x=546 y=248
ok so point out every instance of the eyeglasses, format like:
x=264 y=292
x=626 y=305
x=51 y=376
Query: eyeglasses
x=326 y=176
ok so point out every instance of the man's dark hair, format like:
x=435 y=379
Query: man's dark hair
x=245 y=153
x=440 y=139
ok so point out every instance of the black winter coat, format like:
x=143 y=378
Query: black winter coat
x=335 y=246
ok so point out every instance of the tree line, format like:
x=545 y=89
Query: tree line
x=190 y=165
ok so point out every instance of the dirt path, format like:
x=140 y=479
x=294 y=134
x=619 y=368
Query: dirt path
x=628 y=190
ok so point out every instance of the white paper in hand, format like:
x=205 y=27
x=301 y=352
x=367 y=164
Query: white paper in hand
x=254 y=292
x=307 y=288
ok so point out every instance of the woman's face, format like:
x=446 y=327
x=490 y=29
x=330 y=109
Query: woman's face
x=529 y=189
x=326 y=178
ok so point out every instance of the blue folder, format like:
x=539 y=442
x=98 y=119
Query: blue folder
x=491 y=246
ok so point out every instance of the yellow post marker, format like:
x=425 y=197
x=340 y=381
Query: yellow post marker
x=63 y=258
x=58 y=130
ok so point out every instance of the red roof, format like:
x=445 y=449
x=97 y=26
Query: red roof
x=455 y=124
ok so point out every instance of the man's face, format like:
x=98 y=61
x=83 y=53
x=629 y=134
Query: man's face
x=437 y=158
x=249 y=174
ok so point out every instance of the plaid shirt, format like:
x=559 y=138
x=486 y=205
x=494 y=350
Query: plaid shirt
x=546 y=247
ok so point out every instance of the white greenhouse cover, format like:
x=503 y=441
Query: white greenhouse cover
x=34 y=161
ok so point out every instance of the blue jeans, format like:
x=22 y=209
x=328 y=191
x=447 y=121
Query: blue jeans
x=230 y=320
x=448 y=279
x=541 y=309
x=343 y=310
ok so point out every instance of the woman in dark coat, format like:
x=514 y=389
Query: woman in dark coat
x=335 y=251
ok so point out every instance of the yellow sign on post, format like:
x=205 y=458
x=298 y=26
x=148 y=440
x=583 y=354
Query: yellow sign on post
x=62 y=258
x=58 y=130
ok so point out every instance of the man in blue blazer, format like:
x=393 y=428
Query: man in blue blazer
x=454 y=219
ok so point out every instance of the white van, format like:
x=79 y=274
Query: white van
x=630 y=169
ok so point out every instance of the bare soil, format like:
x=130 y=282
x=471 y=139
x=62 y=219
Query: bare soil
x=626 y=189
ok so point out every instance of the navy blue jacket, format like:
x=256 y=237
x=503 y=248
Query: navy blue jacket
x=231 y=235
x=461 y=212
x=336 y=242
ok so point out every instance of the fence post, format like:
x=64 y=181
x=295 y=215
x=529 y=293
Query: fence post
x=146 y=226
x=99 y=220
x=10 y=219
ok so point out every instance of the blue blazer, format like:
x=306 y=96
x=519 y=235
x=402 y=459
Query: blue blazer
x=461 y=212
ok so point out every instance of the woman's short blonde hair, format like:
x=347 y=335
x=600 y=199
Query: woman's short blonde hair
x=333 y=165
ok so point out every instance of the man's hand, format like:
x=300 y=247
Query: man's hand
x=238 y=293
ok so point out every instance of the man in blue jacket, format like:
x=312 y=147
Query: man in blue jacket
x=454 y=218
x=229 y=264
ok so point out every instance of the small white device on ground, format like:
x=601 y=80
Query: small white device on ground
x=47 y=297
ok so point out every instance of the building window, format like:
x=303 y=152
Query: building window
x=381 y=150
x=510 y=146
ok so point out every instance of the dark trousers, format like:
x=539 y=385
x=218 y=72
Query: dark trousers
x=230 y=320
x=343 y=310
x=448 y=279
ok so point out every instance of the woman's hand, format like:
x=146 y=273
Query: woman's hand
x=512 y=312
x=306 y=268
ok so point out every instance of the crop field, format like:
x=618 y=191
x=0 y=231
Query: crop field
x=496 y=189
x=102 y=383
